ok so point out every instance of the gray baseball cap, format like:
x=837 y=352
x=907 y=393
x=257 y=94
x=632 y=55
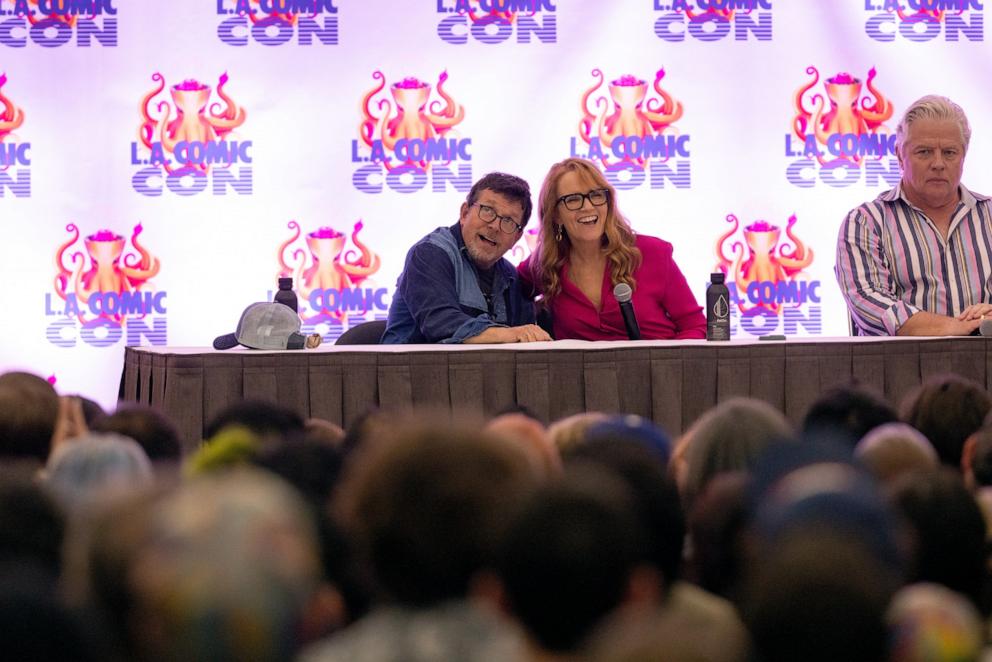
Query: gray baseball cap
x=265 y=325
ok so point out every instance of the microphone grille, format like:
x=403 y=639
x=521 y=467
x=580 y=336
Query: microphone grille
x=622 y=292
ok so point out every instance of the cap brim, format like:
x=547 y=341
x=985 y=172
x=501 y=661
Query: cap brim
x=226 y=341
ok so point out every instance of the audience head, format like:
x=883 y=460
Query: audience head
x=717 y=525
x=97 y=466
x=818 y=596
x=32 y=525
x=894 y=449
x=569 y=557
x=532 y=436
x=633 y=429
x=312 y=467
x=569 y=432
x=265 y=420
x=845 y=414
x=825 y=495
x=29 y=409
x=976 y=463
x=428 y=505
x=729 y=437
x=930 y=623
x=655 y=497
x=947 y=409
x=324 y=432
x=949 y=532
x=153 y=431
x=92 y=411
x=826 y=556
x=36 y=625
x=223 y=567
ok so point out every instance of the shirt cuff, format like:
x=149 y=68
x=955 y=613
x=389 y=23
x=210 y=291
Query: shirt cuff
x=470 y=329
x=897 y=315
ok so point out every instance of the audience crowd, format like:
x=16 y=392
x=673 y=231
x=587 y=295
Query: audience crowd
x=858 y=534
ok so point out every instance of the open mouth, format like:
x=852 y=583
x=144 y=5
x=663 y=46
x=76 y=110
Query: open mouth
x=587 y=220
x=487 y=240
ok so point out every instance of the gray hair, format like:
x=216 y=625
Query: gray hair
x=95 y=465
x=933 y=107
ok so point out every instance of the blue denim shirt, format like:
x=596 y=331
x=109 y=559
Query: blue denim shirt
x=438 y=298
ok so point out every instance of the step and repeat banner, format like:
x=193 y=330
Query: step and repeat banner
x=162 y=164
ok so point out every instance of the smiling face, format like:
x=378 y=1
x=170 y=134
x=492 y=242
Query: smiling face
x=588 y=223
x=932 y=158
x=485 y=242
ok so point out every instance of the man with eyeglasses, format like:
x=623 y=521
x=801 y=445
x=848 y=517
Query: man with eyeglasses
x=456 y=287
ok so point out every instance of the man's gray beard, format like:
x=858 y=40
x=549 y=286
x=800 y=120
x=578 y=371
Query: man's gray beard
x=478 y=260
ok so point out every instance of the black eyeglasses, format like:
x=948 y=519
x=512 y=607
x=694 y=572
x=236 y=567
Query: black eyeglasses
x=574 y=201
x=506 y=224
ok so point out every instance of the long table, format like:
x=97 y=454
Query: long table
x=670 y=382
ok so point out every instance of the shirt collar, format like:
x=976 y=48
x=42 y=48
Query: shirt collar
x=969 y=198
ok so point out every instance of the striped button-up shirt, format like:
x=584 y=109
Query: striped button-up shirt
x=893 y=262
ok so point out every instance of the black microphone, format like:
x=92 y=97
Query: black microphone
x=623 y=293
x=985 y=328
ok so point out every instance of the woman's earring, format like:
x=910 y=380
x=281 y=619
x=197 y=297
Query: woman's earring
x=558 y=232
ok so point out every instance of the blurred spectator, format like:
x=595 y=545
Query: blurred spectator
x=571 y=558
x=570 y=431
x=947 y=409
x=29 y=410
x=845 y=414
x=317 y=429
x=729 y=437
x=32 y=525
x=153 y=431
x=930 y=623
x=717 y=527
x=894 y=449
x=818 y=596
x=633 y=429
x=532 y=437
x=225 y=567
x=654 y=497
x=92 y=411
x=825 y=559
x=427 y=509
x=97 y=466
x=265 y=420
x=949 y=533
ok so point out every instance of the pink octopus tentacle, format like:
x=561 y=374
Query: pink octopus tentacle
x=668 y=112
x=881 y=110
x=285 y=269
x=146 y=267
x=794 y=250
x=586 y=123
x=62 y=276
x=231 y=117
x=800 y=123
x=146 y=131
x=451 y=114
x=724 y=262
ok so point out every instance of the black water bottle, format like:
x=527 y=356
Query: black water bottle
x=717 y=309
x=286 y=295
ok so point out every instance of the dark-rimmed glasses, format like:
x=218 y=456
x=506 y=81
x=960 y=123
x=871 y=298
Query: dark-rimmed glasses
x=574 y=201
x=506 y=224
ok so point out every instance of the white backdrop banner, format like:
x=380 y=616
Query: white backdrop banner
x=163 y=163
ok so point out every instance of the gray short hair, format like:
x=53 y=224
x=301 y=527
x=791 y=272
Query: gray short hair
x=933 y=107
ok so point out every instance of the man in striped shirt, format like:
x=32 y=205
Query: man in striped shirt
x=917 y=260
